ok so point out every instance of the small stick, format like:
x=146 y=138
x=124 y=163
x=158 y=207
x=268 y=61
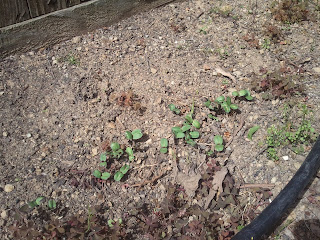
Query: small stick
x=236 y=132
x=149 y=181
x=151 y=165
x=254 y=185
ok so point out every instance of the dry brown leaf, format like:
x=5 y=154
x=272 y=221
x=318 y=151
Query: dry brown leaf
x=216 y=186
x=226 y=74
x=189 y=183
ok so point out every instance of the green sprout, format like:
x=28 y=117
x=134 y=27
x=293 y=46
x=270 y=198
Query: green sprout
x=52 y=204
x=225 y=103
x=134 y=135
x=218 y=141
x=252 y=131
x=243 y=93
x=164 y=145
x=173 y=108
x=129 y=151
x=123 y=170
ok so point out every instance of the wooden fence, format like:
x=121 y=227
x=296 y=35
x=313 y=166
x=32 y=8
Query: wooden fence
x=15 y=11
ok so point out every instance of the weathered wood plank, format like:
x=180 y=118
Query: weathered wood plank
x=41 y=7
x=13 y=11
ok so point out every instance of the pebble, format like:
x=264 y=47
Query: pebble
x=94 y=151
x=273 y=180
x=297 y=165
x=271 y=164
x=76 y=39
x=286 y=158
x=4 y=214
x=5 y=134
x=28 y=135
x=111 y=125
x=316 y=69
x=153 y=70
x=8 y=188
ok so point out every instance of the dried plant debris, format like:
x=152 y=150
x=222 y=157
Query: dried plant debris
x=251 y=40
x=290 y=11
x=279 y=84
x=273 y=33
x=127 y=99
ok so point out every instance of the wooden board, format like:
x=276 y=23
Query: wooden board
x=13 y=11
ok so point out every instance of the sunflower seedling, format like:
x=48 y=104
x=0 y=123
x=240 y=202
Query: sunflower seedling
x=184 y=132
x=123 y=170
x=243 y=93
x=225 y=104
x=218 y=141
x=129 y=151
x=174 y=109
x=164 y=145
x=134 y=135
x=52 y=204
x=103 y=176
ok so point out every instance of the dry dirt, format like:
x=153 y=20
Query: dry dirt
x=61 y=104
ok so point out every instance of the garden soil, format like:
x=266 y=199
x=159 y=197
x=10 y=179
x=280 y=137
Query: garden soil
x=61 y=106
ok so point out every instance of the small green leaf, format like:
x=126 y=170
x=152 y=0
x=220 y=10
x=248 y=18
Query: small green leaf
x=189 y=118
x=103 y=157
x=115 y=146
x=226 y=108
x=40 y=200
x=220 y=99
x=191 y=142
x=97 y=173
x=234 y=106
x=128 y=135
x=249 y=97
x=124 y=169
x=131 y=158
x=207 y=103
x=129 y=151
x=105 y=175
x=52 y=204
x=194 y=134
x=196 y=124
x=117 y=177
x=177 y=111
x=163 y=150
x=235 y=94
x=185 y=127
x=111 y=223
x=172 y=107
x=218 y=140
x=228 y=101
x=179 y=135
x=242 y=93
x=219 y=147
x=252 y=131
x=103 y=164
x=164 y=142
x=176 y=130
x=32 y=204
x=213 y=117
x=137 y=134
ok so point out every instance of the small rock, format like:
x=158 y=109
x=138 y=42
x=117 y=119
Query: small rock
x=111 y=125
x=206 y=67
x=271 y=164
x=76 y=39
x=94 y=151
x=286 y=158
x=297 y=165
x=4 y=214
x=5 y=134
x=316 y=69
x=54 y=62
x=153 y=70
x=273 y=180
x=8 y=188
x=28 y=135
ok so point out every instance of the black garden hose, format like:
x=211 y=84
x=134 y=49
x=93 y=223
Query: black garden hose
x=268 y=220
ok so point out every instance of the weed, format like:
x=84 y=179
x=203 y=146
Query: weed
x=266 y=43
x=72 y=60
x=223 y=53
x=203 y=30
x=221 y=103
x=289 y=134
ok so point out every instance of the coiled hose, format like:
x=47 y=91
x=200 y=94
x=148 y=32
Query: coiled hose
x=268 y=220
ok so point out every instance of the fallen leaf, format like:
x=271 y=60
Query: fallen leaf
x=217 y=187
x=226 y=74
x=189 y=183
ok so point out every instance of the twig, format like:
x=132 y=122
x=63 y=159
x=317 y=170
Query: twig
x=254 y=185
x=236 y=132
x=151 y=165
x=149 y=181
